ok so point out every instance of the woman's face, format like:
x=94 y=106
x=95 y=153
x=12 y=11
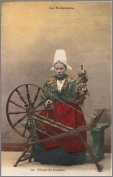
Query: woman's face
x=59 y=69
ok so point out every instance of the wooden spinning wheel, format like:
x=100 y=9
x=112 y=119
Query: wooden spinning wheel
x=23 y=109
x=23 y=102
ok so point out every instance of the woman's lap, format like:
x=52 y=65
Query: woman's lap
x=57 y=156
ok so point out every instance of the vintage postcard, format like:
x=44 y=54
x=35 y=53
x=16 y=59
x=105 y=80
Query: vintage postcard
x=56 y=88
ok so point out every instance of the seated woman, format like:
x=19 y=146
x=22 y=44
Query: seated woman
x=63 y=96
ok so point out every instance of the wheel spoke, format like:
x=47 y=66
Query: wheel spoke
x=36 y=96
x=39 y=104
x=28 y=94
x=20 y=120
x=16 y=112
x=21 y=97
x=11 y=101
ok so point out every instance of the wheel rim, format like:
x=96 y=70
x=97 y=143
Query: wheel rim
x=23 y=102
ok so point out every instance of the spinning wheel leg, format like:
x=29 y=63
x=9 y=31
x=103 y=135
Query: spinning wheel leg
x=21 y=157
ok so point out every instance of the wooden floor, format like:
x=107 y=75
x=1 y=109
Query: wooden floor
x=36 y=169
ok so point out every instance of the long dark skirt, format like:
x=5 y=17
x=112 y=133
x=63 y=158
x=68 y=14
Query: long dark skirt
x=57 y=156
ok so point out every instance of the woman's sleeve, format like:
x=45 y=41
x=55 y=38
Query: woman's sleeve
x=46 y=92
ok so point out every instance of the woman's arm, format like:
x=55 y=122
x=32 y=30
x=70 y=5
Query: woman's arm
x=46 y=95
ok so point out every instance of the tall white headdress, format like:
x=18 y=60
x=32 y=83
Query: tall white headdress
x=60 y=56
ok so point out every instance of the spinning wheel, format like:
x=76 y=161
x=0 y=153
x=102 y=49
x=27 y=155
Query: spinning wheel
x=23 y=109
x=23 y=102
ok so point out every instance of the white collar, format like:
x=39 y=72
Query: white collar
x=60 y=84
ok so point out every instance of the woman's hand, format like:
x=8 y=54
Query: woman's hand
x=48 y=103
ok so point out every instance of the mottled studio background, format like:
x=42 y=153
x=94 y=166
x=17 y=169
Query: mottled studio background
x=32 y=31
